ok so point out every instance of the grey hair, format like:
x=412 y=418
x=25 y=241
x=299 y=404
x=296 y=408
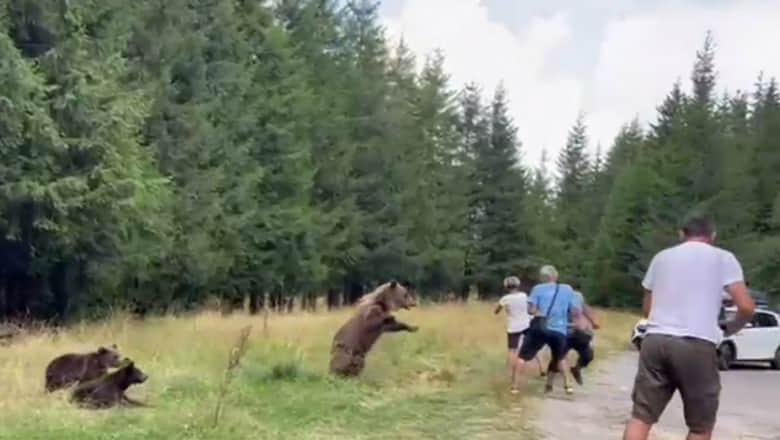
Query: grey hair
x=548 y=273
x=512 y=282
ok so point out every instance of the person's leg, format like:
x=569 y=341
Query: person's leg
x=580 y=342
x=529 y=348
x=562 y=364
x=551 y=374
x=552 y=369
x=511 y=360
x=636 y=430
x=653 y=388
x=696 y=366
x=537 y=358
x=513 y=340
x=558 y=348
x=539 y=364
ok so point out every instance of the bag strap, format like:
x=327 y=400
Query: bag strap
x=553 y=301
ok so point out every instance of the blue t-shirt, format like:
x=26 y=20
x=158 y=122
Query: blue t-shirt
x=565 y=302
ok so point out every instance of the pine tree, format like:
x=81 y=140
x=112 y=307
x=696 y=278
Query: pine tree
x=502 y=224
x=474 y=131
x=761 y=246
x=541 y=209
x=316 y=38
x=573 y=164
x=440 y=213
x=704 y=75
x=93 y=205
x=701 y=128
x=668 y=113
x=572 y=224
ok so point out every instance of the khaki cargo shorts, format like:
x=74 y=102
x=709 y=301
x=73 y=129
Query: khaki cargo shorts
x=671 y=363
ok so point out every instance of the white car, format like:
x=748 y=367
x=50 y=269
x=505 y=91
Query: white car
x=759 y=341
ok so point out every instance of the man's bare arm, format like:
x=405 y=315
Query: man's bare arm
x=498 y=309
x=575 y=313
x=647 y=303
x=588 y=313
x=745 y=307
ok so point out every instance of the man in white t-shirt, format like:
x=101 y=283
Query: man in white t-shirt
x=515 y=303
x=683 y=295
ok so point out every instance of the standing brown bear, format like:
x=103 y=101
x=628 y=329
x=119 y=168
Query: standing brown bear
x=72 y=368
x=373 y=317
x=109 y=390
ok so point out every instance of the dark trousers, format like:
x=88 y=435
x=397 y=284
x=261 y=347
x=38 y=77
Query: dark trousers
x=578 y=341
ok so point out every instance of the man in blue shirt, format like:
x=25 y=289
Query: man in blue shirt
x=558 y=304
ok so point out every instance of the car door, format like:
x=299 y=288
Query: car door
x=767 y=335
x=749 y=340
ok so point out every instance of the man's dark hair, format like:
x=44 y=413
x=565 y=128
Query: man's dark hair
x=698 y=225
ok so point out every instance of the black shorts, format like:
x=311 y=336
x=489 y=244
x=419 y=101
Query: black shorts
x=536 y=340
x=580 y=342
x=513 y=339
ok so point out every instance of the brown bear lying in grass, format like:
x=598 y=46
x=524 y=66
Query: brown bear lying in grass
x=109 y=390
x=373 y=317
x=73 y=368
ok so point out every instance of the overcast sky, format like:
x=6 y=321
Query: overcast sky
x=610 y=59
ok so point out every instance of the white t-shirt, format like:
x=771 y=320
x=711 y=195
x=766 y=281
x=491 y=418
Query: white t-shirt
x=687 y=283
x=516 y=306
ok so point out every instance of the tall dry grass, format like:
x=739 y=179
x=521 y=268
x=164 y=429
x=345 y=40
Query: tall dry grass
x=446 y=381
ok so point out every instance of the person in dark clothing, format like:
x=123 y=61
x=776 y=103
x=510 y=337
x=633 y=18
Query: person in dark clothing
x=580 y=338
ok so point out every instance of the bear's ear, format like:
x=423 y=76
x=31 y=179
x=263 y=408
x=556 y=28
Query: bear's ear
x=393 y=284
x=114 y=347
x=102 y=350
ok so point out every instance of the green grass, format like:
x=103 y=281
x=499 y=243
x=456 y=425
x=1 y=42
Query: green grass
x=444 y=382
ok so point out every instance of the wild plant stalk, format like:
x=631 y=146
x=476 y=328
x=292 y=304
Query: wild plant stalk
x=234 y=360
x=265 y=321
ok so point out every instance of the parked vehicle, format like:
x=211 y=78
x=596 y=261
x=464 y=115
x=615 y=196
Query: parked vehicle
x=759 y=341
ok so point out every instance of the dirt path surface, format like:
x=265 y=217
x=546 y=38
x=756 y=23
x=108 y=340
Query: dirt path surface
x=748 y=410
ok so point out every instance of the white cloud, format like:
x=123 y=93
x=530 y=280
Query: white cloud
x=642 y=52
x=642 y=55
x=544 y=103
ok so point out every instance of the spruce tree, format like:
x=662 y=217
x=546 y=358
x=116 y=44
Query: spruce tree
x=502 y=223
x=571 y=207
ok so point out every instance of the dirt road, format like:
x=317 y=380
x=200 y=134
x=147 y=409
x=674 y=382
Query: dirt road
x=748 y=411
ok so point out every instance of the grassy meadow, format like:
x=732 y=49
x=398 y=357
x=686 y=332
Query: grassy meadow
x=445 y=382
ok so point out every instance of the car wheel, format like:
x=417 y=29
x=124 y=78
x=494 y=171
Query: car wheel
x=776 y=361
x=725 y=356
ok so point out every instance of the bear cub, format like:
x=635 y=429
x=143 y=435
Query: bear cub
x=72 y=368
x=110 y=389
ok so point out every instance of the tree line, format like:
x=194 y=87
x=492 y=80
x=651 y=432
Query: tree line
x=157 y=154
